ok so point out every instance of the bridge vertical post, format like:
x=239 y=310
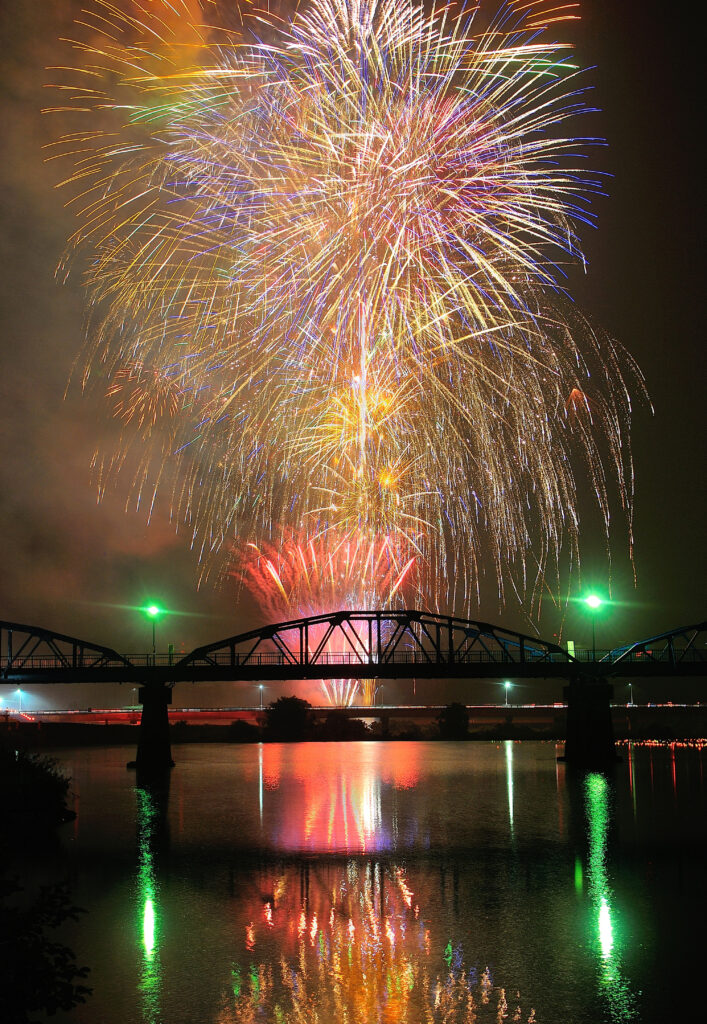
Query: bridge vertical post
x=154 y=752
x=589 y=739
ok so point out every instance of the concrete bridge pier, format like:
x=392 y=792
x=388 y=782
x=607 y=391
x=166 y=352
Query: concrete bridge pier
x=384 y=720
x=590 y=732
x=154 y=752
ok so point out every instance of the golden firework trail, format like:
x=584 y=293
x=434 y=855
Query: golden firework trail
x=325 y=258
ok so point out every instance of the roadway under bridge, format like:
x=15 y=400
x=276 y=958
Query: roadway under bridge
x=361 y=645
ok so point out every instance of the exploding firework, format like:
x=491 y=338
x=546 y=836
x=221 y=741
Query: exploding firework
x=318 y=576
x=340 y=245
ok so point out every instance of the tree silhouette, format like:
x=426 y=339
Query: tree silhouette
x=288 y=718
x=454 y=722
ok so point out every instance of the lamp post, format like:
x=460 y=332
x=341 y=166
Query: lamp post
x=19 y=695
x=261 y=696
x=507 y=687
x=630 y=693
x=153 y=611
x=593 y=602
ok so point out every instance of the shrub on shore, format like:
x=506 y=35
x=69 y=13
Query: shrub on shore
x=38 y=975
x=33 y=791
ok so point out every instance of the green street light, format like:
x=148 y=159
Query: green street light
x=593 y=602
x=153 y=611
x=507 y=686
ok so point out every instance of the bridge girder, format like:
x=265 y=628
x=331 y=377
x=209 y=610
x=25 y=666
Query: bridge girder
x=681 y=646
x=22 y=646
x=379 y=643
x=376 y=644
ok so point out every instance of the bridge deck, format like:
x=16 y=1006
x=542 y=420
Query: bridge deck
x=266 y=668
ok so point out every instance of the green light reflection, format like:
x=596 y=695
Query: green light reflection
x=148 y=927
x=614 y=986
x=606 y=932
x=151 y=967
x=578 y=875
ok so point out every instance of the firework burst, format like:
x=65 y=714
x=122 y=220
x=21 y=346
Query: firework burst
x=342 y=248
x=304 y=577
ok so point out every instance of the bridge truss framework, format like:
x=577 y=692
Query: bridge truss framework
x=353 y=644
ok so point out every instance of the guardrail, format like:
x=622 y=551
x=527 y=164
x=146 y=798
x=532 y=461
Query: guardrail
x=344 y=658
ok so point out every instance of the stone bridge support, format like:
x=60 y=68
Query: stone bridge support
x=590 y=732
x=154 y=752
x=384 y=720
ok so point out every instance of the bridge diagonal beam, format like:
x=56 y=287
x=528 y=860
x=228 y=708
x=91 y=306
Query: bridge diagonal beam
x=482 y=642
x=25 y=648
x=284 y=649
x=662 y=649
x=29 y=647
x=358 y=647
x=470 y=640
x=690 y=645
x=409 y=629
x=247 y=655
x=389 y=645
x=435 y=640
x=321 y=646
x=466 y=642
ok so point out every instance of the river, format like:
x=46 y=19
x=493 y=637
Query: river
x=413 y=882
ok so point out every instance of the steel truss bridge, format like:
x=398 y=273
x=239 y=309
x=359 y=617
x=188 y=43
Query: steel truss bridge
x=350 y=644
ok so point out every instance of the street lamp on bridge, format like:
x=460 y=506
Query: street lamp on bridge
x=507 y=686
x=593 y=602
x=153 y=611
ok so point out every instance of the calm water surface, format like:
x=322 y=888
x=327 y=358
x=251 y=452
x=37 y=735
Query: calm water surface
x=387 y=882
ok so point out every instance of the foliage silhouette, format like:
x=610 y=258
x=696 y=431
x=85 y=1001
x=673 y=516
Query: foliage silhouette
x=453 y=722
x=338 y=726
x=33 y=793
x=37 y=974
x=287 y=719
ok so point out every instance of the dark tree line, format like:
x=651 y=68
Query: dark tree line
x=38 y=975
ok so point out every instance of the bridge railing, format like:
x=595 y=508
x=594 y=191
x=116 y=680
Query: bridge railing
x=344 y=658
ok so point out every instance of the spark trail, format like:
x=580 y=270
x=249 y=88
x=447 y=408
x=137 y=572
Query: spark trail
x=334 y=249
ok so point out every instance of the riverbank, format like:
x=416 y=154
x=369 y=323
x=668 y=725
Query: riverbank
x=642 y=722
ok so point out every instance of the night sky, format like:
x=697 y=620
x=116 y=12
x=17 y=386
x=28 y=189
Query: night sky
x=79 y=567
